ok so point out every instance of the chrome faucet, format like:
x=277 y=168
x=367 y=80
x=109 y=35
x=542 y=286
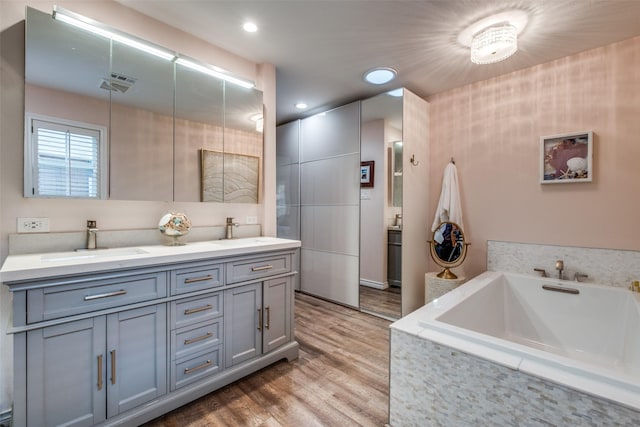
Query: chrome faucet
x=560 y=268
x=92 y=234
x=229 y=228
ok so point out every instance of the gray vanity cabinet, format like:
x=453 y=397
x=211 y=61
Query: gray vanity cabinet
x=123 y=345
x=259 y=319
x=82 y=372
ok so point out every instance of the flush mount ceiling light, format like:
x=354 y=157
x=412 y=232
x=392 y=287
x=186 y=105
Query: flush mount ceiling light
x=259 y=121
x=250 y=27
x=380 y=75
x=396 y=92
x=495 y=38
x=301 y=105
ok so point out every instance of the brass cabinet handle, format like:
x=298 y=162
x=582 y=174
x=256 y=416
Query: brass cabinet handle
x=200 y=338
x=187 y=371
x=197 y=310
x=99 y=372
x=264 y=267
x=113 y=366
x=267 y=311
x=259 y=319
x=198 y=279
x=107 y=295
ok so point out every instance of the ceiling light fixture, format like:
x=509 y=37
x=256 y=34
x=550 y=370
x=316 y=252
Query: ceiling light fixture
x=259 y=121
x=301 y=105
x=86 y=24
x=494 y=38
x=380 y=75
x=494 y=44
x=396 y=92
x=250 y=27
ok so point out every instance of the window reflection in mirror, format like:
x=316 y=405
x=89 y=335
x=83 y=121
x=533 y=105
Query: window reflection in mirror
x=63 y=71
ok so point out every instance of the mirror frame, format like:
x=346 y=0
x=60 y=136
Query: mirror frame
x=447 y=273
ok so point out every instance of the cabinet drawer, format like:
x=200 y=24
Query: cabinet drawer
x=194 y=339
x=198 y=309
x=90 y=295
x=255 y=268
x=196 y=278
x=195 y=368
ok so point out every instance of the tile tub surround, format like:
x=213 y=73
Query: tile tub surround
x=605 y=266
x=435 y=385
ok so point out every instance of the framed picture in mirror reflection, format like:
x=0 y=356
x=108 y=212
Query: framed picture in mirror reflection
x=366 y=173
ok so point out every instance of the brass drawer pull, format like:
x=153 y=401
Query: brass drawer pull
x=198 y=279
x=200 y=338
x=267 y=311
x=99 y=372
x=264 y=267
x=259 y=319
x=107 y=295
x=187 y=371
x=197 y=310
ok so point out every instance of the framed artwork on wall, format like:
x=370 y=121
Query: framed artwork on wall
x=566 y=158
x=366 y=173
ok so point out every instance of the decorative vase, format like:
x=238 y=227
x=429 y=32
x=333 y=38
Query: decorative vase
x=174 y=225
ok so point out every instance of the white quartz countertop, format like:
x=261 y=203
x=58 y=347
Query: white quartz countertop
x=37 y=266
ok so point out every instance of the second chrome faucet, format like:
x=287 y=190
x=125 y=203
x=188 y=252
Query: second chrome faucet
x=228 y=234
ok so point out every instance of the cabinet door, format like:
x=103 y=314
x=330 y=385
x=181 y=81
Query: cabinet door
x=136 y=357
x=66 y=381
x=243 y=329
x=277 y=313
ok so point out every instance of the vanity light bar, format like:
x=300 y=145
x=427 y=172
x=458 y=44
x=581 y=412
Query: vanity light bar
x=82 y=23
x=210 y=71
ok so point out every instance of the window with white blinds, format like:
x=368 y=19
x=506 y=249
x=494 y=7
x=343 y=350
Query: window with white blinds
x=65 y=160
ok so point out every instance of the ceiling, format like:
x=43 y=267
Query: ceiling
x=322 y=48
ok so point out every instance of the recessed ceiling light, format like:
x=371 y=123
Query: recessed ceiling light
x=301 y=105
x=250 y=27
x=380 y=75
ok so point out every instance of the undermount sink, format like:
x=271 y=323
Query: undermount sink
x=246 y=241
x=91 y=254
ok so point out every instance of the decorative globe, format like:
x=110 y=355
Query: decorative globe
x=174 y=225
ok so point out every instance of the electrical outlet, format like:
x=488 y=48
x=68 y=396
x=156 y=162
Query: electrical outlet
x=252 y=220
x=33 y=225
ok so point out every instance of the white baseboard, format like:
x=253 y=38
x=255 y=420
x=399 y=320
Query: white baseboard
x=372 y=284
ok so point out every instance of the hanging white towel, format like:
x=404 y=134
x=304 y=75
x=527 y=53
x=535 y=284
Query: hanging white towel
x=449 y=207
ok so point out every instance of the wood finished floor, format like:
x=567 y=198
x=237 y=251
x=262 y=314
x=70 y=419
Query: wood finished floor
x=340 y=379
x=387 y=302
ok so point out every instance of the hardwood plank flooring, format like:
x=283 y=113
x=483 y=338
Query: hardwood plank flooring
x=387 y=302
x=341 y=378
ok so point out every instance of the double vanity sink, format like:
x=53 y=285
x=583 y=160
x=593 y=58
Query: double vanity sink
x=121 y=336
x=33 y=266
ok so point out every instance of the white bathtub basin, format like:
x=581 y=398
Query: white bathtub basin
x=589 y=341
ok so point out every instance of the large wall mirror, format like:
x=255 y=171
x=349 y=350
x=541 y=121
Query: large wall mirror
x=147 y=128
x=381 y=206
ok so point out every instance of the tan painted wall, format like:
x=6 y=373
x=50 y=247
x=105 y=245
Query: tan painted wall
x=492 y=128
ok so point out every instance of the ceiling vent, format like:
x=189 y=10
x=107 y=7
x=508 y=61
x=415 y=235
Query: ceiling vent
x=118 y=83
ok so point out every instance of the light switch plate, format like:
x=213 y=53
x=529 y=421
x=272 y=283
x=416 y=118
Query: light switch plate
x=33 y=225
x=252 y=220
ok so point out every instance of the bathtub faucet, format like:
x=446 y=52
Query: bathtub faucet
x=560 y=268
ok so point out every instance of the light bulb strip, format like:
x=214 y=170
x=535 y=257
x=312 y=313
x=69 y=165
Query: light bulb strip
x=89 y=25
x=82 y=23
x=211 y=72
